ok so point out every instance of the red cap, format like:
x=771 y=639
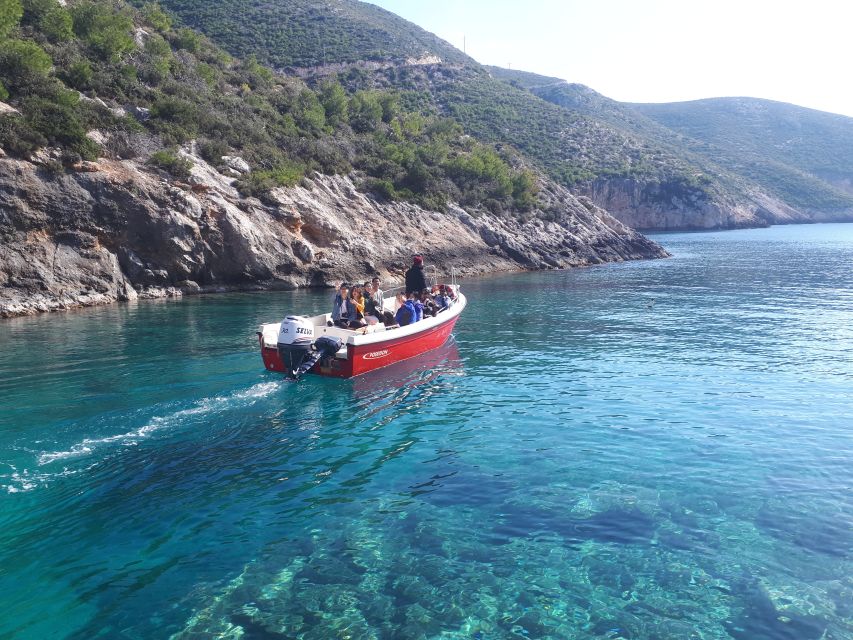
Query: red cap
x=418 y=259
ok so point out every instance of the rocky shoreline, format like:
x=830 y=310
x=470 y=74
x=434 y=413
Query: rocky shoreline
x=118 y=230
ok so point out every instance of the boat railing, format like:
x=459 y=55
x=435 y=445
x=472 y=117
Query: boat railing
x=438 y=277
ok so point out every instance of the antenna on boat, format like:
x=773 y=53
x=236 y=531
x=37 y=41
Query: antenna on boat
x=434 y=274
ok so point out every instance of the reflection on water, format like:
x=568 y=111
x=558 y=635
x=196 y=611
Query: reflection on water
x=648 y=450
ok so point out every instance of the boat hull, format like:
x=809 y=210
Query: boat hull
x=369 y=357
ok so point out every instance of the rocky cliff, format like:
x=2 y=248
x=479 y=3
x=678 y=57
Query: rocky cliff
x=655 y=206
x=117 y=230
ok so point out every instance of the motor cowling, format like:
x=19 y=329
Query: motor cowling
x=296 y=331
x=295 y=337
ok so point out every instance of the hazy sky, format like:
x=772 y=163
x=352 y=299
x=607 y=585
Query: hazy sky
x=660 y=50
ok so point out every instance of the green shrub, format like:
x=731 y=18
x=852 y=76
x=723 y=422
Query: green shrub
x=209 y=74
x=4 y=94
x=169 y=160
x=157 y=46
x=55 y=114
x=187 y=39
x=524 y=190
x=129 y=73
x=365 y=111
x=255 y=74
x=212 y=150
x=309 y=113
x=57 y=24
x=87 y=149
x=156 y=17
x=433 y=201
x=105 y=28
x=22 y=61
x=390 y=103
x=334 y=101
x=383 y=188
x=483 y=166
x=286 y=174
x=11 y=12
x=78 y=75
x=176 y=118
x=35 y=10
x=17 y=137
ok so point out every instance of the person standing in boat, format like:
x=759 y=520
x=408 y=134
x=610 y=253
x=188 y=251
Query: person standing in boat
x=415 y=280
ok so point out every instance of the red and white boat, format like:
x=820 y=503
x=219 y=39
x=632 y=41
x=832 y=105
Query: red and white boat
x=364 y=349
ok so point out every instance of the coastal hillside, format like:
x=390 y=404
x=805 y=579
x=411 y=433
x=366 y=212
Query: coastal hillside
x=642 y=182
x=798 y=156
x=306 y=33
x=138 y=159
x=763 y=134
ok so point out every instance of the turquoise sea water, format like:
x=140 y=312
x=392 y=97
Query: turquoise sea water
x=650 y=450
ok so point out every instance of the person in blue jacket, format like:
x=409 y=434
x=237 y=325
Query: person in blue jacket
x=406 y=314
x=442 y=300
x=419 y=306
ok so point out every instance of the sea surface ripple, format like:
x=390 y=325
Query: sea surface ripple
x=643 y=450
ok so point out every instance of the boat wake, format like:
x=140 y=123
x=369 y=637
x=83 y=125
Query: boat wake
x=26 y=480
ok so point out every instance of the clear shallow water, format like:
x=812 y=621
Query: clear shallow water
x=671 y=459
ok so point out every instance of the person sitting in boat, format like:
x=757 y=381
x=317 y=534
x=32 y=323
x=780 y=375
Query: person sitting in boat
x=371 y=313
x=386 y=317
x=343 y=311
x=399 y=301
x=442 y=300
x=415 y=279
x=357 y=298
x=429 y=306
x=419 y=306
x=406 y=314
x=376 y=292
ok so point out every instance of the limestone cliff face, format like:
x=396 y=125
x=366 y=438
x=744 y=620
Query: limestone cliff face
x=652 y=206
x=119 y=231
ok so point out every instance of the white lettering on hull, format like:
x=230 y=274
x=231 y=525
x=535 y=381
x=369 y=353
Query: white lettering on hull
x=375 y=355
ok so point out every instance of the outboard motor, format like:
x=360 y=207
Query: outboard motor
x=295 y=337
x=325 y=347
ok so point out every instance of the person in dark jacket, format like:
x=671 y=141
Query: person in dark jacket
x=430 y=308
x=377 y=298
x=415 y=280
x=344 y=314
